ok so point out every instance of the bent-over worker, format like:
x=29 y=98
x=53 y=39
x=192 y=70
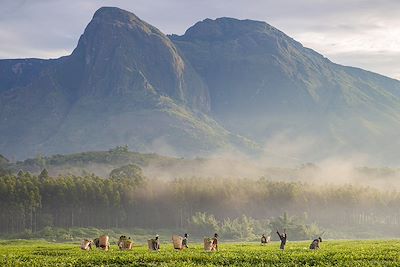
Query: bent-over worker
x=315 y=243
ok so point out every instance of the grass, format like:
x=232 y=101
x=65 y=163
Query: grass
x=332 y=253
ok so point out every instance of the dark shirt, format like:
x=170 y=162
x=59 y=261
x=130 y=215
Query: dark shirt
x=283 y=238
x=96 y=242
x=185 y=242
x=315 y=244
x=215 y=243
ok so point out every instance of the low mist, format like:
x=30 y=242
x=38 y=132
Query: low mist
x=226 y=192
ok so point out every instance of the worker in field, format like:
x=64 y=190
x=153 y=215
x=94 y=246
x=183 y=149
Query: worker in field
x=96 y=242
x=121 y=241
x=215 y=243
x=156 y=243
x=283 y=238
x=315 y=243
x=265 y=239
x=124 y=243
x=102 y=242
x=185 y=241
x=86 y=244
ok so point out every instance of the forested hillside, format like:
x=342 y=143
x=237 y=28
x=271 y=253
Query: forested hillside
x=129 y=200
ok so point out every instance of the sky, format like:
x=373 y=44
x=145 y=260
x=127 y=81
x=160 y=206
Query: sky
x=360 y=33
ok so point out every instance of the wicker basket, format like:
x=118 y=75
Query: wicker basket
x=104 y=242
x=86 y=244
x=208 y=244
x=150 y=243
x=177 y=241
x=127 y=245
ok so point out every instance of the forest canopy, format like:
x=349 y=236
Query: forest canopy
x=232 y=206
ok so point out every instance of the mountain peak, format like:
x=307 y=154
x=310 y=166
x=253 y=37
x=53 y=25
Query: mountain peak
x=119 y=17
x=113 y=13
x=128 y=83
x=108 y=28
x=118 y=52
x=226 y=28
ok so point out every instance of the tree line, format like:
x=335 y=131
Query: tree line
x=127 y=199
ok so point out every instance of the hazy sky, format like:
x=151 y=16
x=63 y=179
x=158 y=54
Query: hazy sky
x=362 y=33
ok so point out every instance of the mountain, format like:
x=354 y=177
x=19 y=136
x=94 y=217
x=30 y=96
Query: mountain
x=125 y=83
x=263 y=85
x=224 y=85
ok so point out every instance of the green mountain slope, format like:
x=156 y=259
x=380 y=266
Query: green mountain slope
x=263 y=83
x=195 y=94
x=125 y=83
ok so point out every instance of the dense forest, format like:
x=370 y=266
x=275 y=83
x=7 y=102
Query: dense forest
x=126 y=198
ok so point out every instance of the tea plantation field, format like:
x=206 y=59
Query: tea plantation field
x=332 y=253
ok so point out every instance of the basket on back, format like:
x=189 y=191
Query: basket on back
x=125 y=243
x=86 y=244
x=265 y=240
x=153 y=245
x=177 y=241
x=208 y=244
x=104 y=242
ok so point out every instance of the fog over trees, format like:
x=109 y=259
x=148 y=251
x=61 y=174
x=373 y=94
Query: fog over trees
x=239 y=208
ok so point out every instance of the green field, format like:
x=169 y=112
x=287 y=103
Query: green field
x=332 y=253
